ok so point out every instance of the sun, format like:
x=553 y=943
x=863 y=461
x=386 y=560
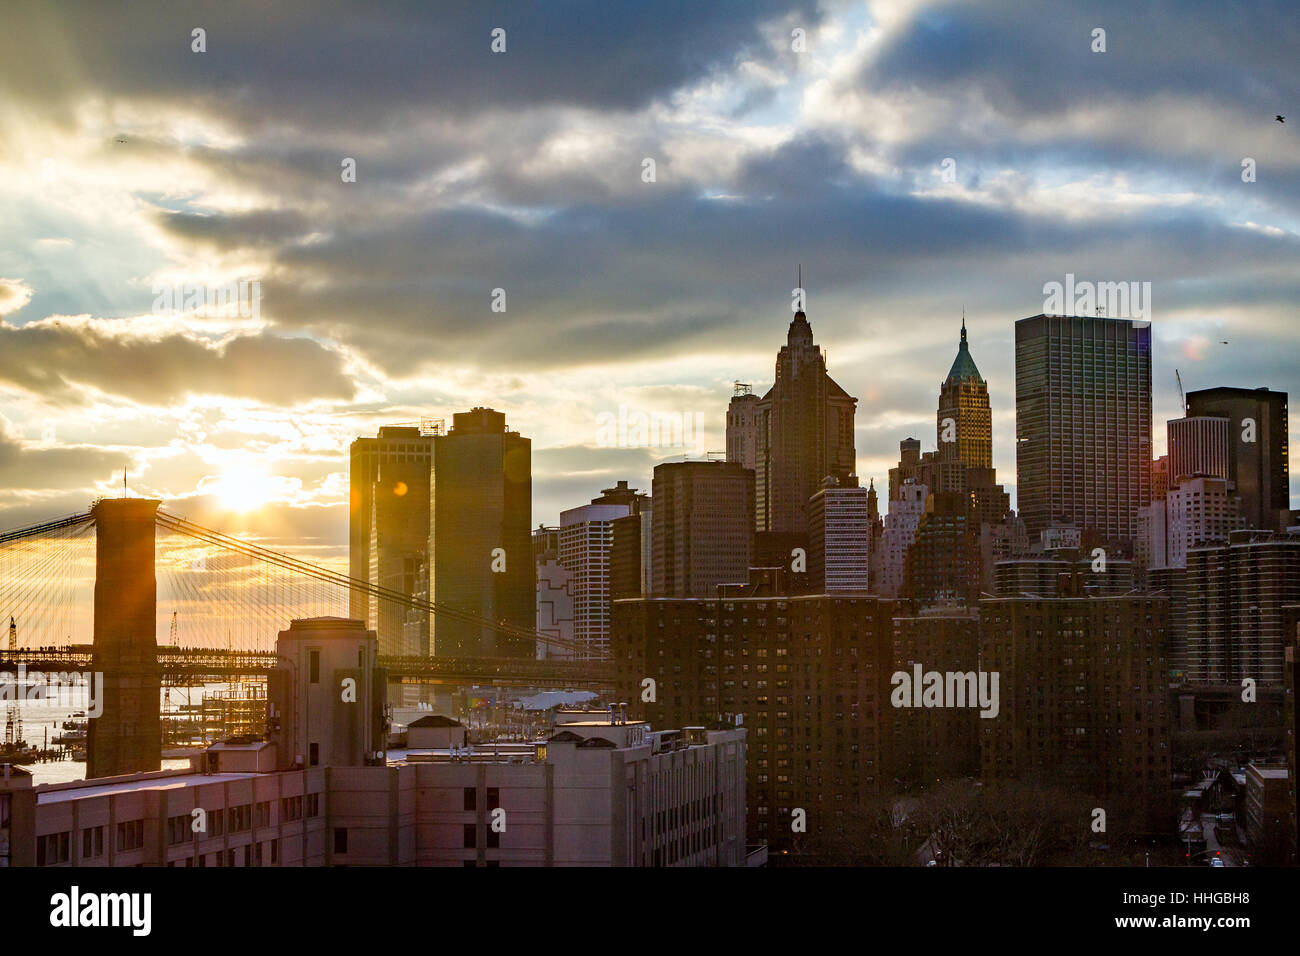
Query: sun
x=244 y=487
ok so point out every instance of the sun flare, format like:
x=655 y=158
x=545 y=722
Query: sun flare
x=244 y=487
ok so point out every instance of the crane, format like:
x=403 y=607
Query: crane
x=1182 y=399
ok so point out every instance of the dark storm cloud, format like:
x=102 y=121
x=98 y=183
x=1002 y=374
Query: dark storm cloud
x=1029 y=57
x=238 y=231
x=602 y=282
x=364 y=65
x=57 y=359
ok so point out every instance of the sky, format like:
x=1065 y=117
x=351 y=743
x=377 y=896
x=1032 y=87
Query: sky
x=504 y=241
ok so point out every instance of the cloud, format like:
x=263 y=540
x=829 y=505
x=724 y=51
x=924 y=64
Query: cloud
x=14 y=294
x=40 y=468
x=63 y=357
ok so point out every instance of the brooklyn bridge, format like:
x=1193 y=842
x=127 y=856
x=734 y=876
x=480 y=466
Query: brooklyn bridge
x=90 y=591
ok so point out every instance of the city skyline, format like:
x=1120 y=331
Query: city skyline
x=223 y=165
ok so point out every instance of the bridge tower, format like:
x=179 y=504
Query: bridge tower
x=126 y=737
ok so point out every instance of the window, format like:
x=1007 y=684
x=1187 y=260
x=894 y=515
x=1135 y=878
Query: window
x=313 y=804
x=493 y=839
x=290 y=809
x=263 y=814
x=313 y=755
x=217 y=822
x=92 y=842
x=494 y=798
x=178 y=829
x=53 y=848
x=313 y=666
x=471 y=799
x=275 y=852
x=130 y=835
x=240 y=818
x=340 y=839
x=471 y=836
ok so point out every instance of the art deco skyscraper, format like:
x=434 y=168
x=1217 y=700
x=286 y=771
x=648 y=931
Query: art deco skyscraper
x=964 y=419
x=804 y=429
x=1083 y=423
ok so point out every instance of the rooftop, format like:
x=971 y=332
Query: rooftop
x=111 y=786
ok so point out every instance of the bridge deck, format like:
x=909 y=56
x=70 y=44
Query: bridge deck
x=198 y=664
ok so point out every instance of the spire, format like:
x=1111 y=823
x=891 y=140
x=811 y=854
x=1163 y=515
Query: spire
x=963 y=366
x=800 y=332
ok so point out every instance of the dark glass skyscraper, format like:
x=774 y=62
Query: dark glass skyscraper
x=389 y=531
x=1258 y=470
x=480 y=539
x=1083 y=423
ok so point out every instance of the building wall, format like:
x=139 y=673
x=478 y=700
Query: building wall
x=386 y=530
x=481 y=501
x=1259 y=469
x=805 y=676
x=702 y=527
x=251 y=820
x=1198 y=446
x=555 y=600
x=941 y=742
x=586 y=540
x=1084 y=702
x=1236 y=594
x=1083 y=423
x=901 y=522
x=582 y=806
x=839 y=541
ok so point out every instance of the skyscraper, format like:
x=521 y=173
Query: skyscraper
x=801 y=430
x=965 y=421
x=1197 y=446
x=585 y=544
x=388 y=526
x=1083 y=423
x=702 y=527
x=1236 y=594
x=480 y=543
x=839 y=538
x=966 y=513
x=1257 y=450
x=744 y=417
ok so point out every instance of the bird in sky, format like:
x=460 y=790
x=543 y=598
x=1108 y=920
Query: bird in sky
x=1280 y=118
